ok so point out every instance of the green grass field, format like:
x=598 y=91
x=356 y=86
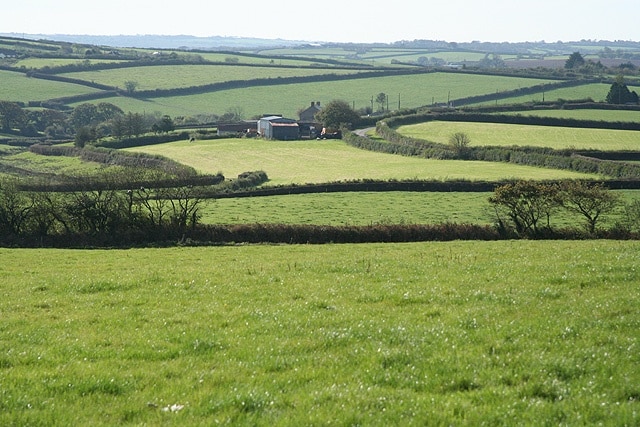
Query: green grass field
x=17 y=87
x=177 y=76
x=54 y=165
x=361 y=208
x=603 y=115
x=413 y=91
x=325 y=161
x=459 y=333
x=364 y=208
x=56 y=62
x=499 y=134
x=597 y=92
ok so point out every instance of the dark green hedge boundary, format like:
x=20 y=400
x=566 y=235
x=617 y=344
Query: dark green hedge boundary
x=575 y=160
x=218 y=235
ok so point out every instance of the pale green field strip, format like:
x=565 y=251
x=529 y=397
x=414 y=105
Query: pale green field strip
x=483 y=134
x=224 y=57
x=604 y=115
x=413 y=91
x=358 y=208
x=55 y=165
x=597 y=92
x=178 y=76
x=56 y=62
x=17 y=87
x=328 y=161
x=366 y=208
x=457 y=333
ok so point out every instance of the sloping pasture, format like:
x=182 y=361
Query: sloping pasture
x=178 y=76
x=584 y=114
x=325 y=161
x=498 y=134
x=17 y=87
x=462 y=333
x=596 y=91
x=367 y=208
x=410 y=90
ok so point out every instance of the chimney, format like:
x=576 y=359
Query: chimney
x=313 y=103
x=318 y=104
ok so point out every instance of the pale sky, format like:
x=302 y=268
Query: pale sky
x=333 y=20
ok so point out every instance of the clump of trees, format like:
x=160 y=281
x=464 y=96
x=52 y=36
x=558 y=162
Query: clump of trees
x=527 y=206
x=337 y=114
x=108 y=215
x=619 y=93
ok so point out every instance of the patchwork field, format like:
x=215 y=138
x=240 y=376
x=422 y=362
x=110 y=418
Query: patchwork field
x=499 y=134
x=326 y=161
x=363 y=208
x=506 y=333
x=413 y=91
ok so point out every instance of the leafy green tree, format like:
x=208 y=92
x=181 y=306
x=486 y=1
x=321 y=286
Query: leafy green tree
x=130 y=86
x=525 y=203
x=164 y=125
x=83 y=135
x=337 y=114
x=84 y=115
x=11 y=116
x=575 y=60
x=381 y=100
x=107 y=111
x=459 y=143
x=619 y=93
x=590 y=201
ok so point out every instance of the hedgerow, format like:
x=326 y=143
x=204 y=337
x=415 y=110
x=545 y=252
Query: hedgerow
x=531 y=156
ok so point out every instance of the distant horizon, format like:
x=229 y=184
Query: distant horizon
x=334 y=21
x=30 y=36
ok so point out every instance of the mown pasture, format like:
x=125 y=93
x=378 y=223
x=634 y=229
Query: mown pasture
x=16 y=87
x=500 y=134
x=596 y=92
x=377 y=56
x=179 y=76
x=464 y=333
x=51 y=165
x=314 y=161
x=411 y=90
x=586 y=114
x=367 y=208
x=36 y=63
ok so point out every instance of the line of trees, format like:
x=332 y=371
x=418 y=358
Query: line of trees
x=526 y=207
x=107 y=216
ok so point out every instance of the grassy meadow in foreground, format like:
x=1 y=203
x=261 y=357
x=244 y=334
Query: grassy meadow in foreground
x=327 y=161
x=458 y=333
x=500 y=134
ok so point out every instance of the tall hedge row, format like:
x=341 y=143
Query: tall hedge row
x=530 y=156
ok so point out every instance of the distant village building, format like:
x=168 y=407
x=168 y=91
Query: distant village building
x=276 y=127
x=308 y=115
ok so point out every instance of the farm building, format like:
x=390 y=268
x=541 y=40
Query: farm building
x=308 y=114
x=233 y=129
x=276 y=127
